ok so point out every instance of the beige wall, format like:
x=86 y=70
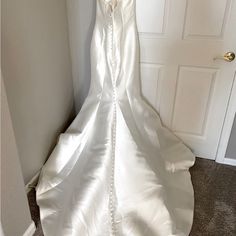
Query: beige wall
x=231 y=150
x=15 y=214
x=36 y=68
x=81 y=16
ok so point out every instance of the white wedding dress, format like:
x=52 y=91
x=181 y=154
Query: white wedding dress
x=117 y=170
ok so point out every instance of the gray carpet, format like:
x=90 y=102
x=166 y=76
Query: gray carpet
x=215 y=200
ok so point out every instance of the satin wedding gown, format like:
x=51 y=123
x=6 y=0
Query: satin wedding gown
x=117 y=170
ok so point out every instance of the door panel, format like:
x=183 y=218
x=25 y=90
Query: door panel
x=193 y=98
x=150 y=13
x=180 y=78
x=206 y=18
x=152 y=87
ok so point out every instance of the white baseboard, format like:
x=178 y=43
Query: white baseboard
x=32 y=183
x=30 y=230
x=227 y=161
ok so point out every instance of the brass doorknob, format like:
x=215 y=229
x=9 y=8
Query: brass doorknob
x=229 y=56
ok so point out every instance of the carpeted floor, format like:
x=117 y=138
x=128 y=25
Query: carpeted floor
x=215 y=200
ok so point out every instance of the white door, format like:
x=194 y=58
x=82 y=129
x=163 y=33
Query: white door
x=179 y=40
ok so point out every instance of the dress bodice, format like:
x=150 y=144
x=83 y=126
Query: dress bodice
x=124 y=6
x=115 y=49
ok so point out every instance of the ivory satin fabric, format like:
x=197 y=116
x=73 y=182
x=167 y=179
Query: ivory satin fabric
x=116 y=170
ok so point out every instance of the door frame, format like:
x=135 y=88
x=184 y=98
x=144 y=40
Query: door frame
x=226 y=130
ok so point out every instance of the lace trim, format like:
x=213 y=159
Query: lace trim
x=111 y=5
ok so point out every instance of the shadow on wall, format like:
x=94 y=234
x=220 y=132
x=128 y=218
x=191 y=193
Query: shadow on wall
x=14 y=206
x=81 y=19
x=36 y=66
